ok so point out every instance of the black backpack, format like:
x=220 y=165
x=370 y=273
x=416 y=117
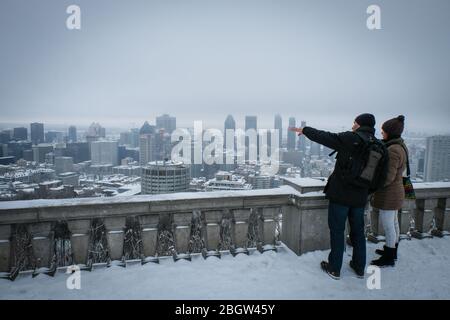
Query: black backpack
x=367 y=167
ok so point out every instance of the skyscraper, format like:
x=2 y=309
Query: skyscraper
x=37 y=133
x=437 y=158
x=105 y=152
x=301 y=144
x=147 y=144
x=291 y=135
x=72 y=134
x=166 y=122
x=20 y=134
x=278 y=125
x=229 y=124
x=250 y=123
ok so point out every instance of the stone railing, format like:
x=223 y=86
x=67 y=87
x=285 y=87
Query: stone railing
x=427 y=216
x=42 y=235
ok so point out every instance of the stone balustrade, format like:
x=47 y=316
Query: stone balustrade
x=146 y=227
x=424 y=217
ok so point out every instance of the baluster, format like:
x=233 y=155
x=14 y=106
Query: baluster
x=423 y=217
x=42 y=242
x=267 y=227
x=182 y=224
x=149 y=227
x=5 y=248
x=442 y=218
x=212 y=220
x=115 y=227
x=79 y=239
x=240 y=230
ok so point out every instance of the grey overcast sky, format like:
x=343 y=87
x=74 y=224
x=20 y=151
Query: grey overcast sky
x=202 y=59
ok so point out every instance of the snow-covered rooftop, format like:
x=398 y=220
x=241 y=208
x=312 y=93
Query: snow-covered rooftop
x=421 y=273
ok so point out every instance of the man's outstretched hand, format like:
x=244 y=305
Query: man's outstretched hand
x=298 y=130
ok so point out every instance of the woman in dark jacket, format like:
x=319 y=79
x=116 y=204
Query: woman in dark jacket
x=390 y=198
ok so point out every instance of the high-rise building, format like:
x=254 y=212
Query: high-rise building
x=5 y=136
x=20 y=134
x=166 y=122
x=301 y=144
x=79 y=151
x=291 y=135
x=251 y=123
x=229 y=124
x=53 y=136
x=278 y=125
x=72 y=134
x=147 y=144
x=37 y=133
x=437 y=158
x=104 y=152
x=95 y=131
x=40 y=151
x=63 y=164
x=165 y=177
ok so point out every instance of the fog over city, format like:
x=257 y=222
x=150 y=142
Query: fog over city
x=201 y=60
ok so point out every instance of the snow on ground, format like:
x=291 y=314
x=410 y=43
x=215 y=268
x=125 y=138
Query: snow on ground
x=421 y=273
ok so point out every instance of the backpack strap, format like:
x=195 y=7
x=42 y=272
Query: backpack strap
x=363 y=138
x=408 y=171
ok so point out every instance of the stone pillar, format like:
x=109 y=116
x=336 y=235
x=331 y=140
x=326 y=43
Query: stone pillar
x=182 y=234
x=115 y=227
x=149 y=225
x=5 y=248
x=240 y=230
x=423 y=217
x=212 y=229
x=79 y=239
x=404 y=216
x=268 y=225
x=42 y=242
x=305 y=225
x=442 y=217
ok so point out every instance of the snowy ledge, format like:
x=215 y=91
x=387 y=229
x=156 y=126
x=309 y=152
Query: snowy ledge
x=420 y=273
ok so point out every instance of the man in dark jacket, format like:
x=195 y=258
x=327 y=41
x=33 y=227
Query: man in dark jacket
x=345 y=200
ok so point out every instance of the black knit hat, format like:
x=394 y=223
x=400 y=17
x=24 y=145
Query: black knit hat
x=394 y=127
x=365 y=120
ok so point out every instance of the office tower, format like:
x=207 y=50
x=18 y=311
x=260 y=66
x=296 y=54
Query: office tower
x=229 y=124
x=72 y=134
x=437 y=158
x=20 y=134
x=125 y=138
x=166 y=122
x=40 y=150
x=134 y=138
x=79 y=151
x=37 y=133
x=16 y=148
x=95 y=130
x=63 y=164
x=301 y=143
x=291 y=135
x=251 y=123
x=147 y=144
x=104 y=152
x=53 y=136
x=5 y=136
x=164 y=177
x=278 y=125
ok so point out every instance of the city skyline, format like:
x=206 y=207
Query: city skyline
x=316 y=61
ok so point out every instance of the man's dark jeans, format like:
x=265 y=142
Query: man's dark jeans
x=337 y=216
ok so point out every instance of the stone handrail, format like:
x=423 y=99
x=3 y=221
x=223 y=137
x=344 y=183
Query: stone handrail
x=34 y=233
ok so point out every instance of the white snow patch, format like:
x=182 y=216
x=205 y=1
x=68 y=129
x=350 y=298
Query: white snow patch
x=421 y=273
